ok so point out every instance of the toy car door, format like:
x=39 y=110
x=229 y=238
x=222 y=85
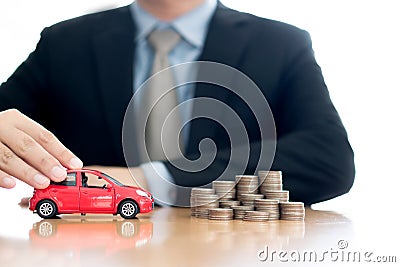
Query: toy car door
x=96 y=194
x=66 y=193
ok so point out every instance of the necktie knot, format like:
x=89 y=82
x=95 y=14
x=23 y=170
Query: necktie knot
x=163 y=41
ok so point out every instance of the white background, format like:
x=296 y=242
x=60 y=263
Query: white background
x=356 y=43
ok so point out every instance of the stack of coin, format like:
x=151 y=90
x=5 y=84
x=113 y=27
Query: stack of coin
x=281 y=195
x=269 y=205
x=293 y=211
x=219 y=214
x=246 y=184
x=219 y=202
x=201 y=200
x=228 y=203
x=256 y=216
x=248 y=199
x=239 y=211
x=225 y=189
x=270 y=181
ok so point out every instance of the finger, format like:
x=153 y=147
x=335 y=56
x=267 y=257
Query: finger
x=24 y=202
x=26 y=148
x=49 y=142
x=6 y=180
x=13 y=165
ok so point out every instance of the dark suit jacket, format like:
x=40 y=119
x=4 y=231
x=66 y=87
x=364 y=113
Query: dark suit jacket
x=79 y=80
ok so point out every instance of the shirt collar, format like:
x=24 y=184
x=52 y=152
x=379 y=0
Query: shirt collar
x=192 y=26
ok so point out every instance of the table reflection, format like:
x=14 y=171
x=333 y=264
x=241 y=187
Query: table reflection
x=220 y=240
x=77 y=237
x=165 y=237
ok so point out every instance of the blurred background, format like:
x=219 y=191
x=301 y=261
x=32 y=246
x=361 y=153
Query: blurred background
x=356 y=43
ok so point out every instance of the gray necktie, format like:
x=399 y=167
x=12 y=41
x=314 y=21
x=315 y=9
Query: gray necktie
x=162 y=100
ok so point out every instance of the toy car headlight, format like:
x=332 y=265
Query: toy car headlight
x=142 y=193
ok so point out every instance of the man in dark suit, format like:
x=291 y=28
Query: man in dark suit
x=79 y=81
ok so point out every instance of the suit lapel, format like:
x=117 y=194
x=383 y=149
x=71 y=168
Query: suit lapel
x=226 y=37
x=225 y=43
x=114 y=51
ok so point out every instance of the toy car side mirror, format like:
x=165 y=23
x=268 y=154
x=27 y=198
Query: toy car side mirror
x=108 y=186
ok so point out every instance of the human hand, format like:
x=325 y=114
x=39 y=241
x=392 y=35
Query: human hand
x=31 y=153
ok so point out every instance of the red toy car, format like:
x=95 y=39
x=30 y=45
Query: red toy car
x=90 y=191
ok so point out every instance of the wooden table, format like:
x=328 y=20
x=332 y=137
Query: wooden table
x=170 y=237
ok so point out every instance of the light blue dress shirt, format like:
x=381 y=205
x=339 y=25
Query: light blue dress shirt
x=193 y=28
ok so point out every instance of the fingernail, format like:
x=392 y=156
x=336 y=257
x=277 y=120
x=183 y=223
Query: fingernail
x=8 y=181
x=58 y=172
x=76 y=163
x=40 y=179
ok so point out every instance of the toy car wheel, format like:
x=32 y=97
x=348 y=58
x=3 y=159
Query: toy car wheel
x=128 y=209
x=46 y=209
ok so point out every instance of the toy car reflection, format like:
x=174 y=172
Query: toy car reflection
x=79 y=237
x=89 y=191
